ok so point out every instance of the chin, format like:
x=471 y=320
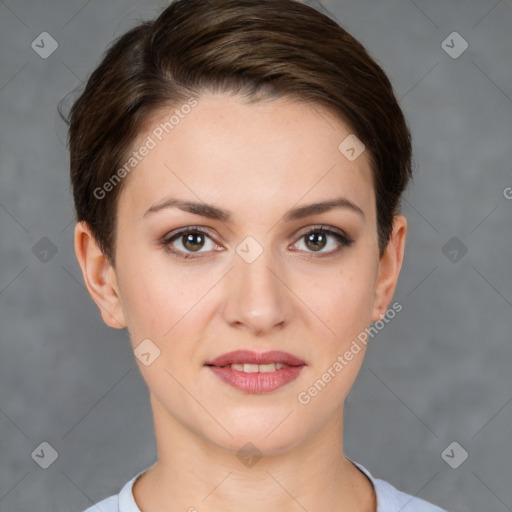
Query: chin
x=260 y=433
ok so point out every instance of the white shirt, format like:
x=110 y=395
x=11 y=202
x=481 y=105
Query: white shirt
x=389 y=499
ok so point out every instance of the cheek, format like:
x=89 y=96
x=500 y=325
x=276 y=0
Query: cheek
x=344 y=303
x=159 y=299
x=342 y=298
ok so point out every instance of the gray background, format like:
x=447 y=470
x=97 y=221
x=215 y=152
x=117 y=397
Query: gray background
x=438 y=373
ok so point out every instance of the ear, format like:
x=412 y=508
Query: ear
x=389 y=268
x=99 y=277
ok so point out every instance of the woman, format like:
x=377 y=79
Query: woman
x=237 y=168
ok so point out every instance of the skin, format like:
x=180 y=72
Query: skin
x=257 y=161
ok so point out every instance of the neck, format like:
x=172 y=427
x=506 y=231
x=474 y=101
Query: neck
x=193 y=474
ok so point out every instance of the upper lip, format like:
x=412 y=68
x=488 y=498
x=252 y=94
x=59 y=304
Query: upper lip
x=251 y=357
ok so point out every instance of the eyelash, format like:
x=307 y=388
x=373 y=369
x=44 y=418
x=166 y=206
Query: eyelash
x=342 y=240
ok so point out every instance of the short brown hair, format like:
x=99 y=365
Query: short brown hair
x=260 y=48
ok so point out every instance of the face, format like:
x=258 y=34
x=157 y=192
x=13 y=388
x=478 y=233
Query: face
x=255 y=272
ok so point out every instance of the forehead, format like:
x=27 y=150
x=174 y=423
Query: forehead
x=269 y=154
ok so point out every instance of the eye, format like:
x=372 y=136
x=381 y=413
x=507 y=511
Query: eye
x=185 y=242
x=190 y=239
x=317 y=238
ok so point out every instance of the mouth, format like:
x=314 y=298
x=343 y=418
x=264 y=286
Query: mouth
x=254 y=372
x=255 y=368
x=250 y=360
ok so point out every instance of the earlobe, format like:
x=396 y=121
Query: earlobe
x=99 y=277
x=389 y=268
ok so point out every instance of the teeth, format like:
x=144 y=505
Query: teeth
x=258 y=368
x=263 y=368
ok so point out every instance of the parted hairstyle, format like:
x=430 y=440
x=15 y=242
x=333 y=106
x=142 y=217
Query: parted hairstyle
x=261 y=49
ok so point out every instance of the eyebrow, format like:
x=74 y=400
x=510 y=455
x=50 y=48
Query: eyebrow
x=216 y=213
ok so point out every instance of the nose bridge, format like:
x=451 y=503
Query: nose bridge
x=256 y=296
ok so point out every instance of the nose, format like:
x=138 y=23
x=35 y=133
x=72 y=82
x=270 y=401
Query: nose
x=257 y=298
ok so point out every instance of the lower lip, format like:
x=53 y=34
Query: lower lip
x=257 y=382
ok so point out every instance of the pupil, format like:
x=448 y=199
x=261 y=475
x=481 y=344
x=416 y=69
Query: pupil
x=189 y=241
x=311 y=238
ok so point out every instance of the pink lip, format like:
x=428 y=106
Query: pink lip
x=250 y=357
x=256 y=382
